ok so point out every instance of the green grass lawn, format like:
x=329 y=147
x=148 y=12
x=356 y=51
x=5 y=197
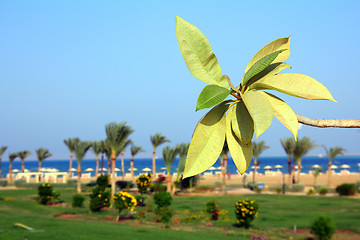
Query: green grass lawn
x=276 y=213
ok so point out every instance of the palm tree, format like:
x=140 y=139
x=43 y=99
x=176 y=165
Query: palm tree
x=80 y=150
x=107 y=152
x=22 y=155
x=117 y=139
x=102 y=150
x=258 y=149
x=70 y=143
x=302 y=147
x=169 y=155
x=96 y=148
x=134 y=151
x=42 y=154
x=2 y=150
x=156 y=141
x=127 y=143
x=316 y=173
x=331 y=154
x=12 y=157
x=288 y=144
x=182 y=151
x=224 y=161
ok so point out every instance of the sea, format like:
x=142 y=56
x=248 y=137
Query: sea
x=141 y=163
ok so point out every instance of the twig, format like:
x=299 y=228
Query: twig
x=324 y=123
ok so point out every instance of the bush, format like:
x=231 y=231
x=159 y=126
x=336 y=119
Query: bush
x=311 y=191
x=212 y=207
x=143 y=183
x=78 y=200
x=19 y=182
x=99 y=198
x=124 y=184
x=72 y=182
x=158 y=187
x=160 y=179
x=188 y=182
x=204 y=188
x=162 y=199
x=46 y=193
x=298 y=187
x=124 y=200
x=346 y=189
x=319 y=186
x=323 y=228
x=324 y=191
x=165 y=215
x=141 y=200
x=103 y=181
x=246 y=211
x=3 y=183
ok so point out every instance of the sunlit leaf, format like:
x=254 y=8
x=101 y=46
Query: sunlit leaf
x=207 y=141
x=260 y=110
x=211 y=95
x=270 y=71
x=242 y=123
x=278 y=44
x=260 y=65
x=283 y=113
x=241 y=153
x=295 y=84
x=197 y=54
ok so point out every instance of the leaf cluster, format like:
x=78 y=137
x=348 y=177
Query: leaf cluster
x=252 y=109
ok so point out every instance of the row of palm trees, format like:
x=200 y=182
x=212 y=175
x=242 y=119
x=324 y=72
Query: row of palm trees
x=41 y=153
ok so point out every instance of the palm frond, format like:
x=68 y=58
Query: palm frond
x=259 y=148
x=302 y=147
x=117 y=136
x=96 y=147
x=288 y=145
x=135 y=150
x=42 y=154
x=80 y=150
x=2 y=150
x=24 y=154
x=12 y=156
x=70 y=143
x=169 y=155
x=157 y=140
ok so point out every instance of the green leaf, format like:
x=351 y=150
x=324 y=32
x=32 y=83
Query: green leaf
x=211 y=95
x=207 y=141
x=241 y=153
x=197 y=53
x=269 y=71
x=295 y=84
x=283 y=113
x=260 y=65
x=260 y=110
x=242 y=123
x=278 y=44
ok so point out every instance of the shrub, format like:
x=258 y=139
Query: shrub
x=124 y=184
x=56 y=196
x=323 y=228
x=160 y=179
x=158 y=187
x=124 y=200
x=319 y=186
x=46 y=193
x=99 y=199
x=311 y=191
x=162 y=199
x=212 y=207
x=19 y=182
x=246 y=211
x=141 y=200
x=346 y=189
x=205 y=188
x=3 y=183
x=103 y=181
x=143 y=183
x=298 y=187
x=357 y=186
x=165 y=215
x=189 y=182
x=323 y=191
x=72 y=182
x=78 y=200
x=140 y=215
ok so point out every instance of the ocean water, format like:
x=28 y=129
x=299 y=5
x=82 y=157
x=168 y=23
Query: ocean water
x=307 y=162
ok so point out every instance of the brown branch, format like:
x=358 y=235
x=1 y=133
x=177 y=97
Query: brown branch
x=324 y=123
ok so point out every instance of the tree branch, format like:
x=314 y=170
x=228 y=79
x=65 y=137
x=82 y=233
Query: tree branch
x=324 y=123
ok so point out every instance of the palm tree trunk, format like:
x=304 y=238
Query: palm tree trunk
x=224 y=173
x=70 y=164
x=255 y=167
x=0 y=167
x=22 y=165
x=97 y=166
x=122 y=166
x=10 y=172
x=293 y=174
x=132 y=167
x=329 y=174
x=168 y=182
x=154 y=164
x=79 y=178
x=39 y=171
x=299 y=171
x=289 y=165
x=102 y=164
x=113 y=158
x=109 y=167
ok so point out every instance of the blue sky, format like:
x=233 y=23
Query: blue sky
x=68 y=68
